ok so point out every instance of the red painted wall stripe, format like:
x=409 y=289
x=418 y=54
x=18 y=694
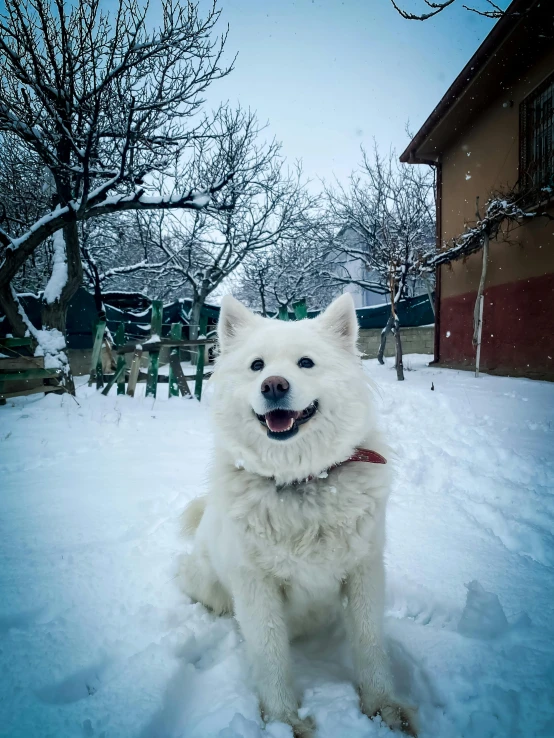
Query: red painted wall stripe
x=518 y=328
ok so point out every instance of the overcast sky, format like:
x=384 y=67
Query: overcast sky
x=330 y=75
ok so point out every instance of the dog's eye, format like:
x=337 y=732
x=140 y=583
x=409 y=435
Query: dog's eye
x=257 y=365
x=305 y=363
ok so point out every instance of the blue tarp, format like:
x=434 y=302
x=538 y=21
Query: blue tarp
x=414 y=311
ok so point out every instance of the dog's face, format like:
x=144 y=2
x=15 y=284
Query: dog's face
x=290 y=397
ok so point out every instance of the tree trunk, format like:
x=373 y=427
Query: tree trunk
x=96 y=283
x=479 y=304
x=194 y=322
x=54 y=314
x=383 y=343
x=397 y=295
x=398 y=342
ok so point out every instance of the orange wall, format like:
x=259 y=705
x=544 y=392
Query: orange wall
x=485 y=158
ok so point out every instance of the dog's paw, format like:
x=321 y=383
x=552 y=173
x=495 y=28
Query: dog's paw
x=396 y=715
x=302 y=727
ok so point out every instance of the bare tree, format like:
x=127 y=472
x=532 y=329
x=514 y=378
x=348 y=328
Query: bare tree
x=293 y=270
x=492 y=10
x=123 y=252
x=190 y=256
x=389 y=207
x=265 y=203
x=103 y=103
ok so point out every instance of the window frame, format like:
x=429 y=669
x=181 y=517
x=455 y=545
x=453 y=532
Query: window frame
x=526 y=178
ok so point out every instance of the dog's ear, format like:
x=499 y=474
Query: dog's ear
x=233 y=318
x=340 y=320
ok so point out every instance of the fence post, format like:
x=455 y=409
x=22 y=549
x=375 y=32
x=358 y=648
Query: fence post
x=154 y=356
x=300 y=309
x=175 y=332
x=134 y=371
x=479 y=304
x=202 y=330
x=283 y=312
x=96 y=361
x=119 y=372
x=121 y=363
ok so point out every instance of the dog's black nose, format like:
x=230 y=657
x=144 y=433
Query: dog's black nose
x=274 y=388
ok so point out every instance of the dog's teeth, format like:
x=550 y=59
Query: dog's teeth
x=287 y=429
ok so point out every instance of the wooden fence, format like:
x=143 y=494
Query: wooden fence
x=176 y=380
x=24 y=375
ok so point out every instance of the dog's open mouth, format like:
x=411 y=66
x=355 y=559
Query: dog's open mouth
x=283 y=424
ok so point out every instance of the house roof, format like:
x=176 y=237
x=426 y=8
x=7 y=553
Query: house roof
x=501 y=54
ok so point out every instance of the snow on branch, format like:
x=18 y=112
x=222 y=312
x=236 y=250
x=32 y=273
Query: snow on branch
x=500 y=211
x=264 y=204
x=21 y=247
x=58 y=278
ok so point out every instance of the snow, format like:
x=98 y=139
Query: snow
x=51 y=341
x=201 y=200
x=98 y=641
x=51 y=345
x=58 y=277
x=198 y=199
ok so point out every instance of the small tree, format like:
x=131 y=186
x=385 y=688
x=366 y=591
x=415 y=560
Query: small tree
x=292 y=270
x=191 y=256
x=390 y=208
x=122 y=252
x=265 y=203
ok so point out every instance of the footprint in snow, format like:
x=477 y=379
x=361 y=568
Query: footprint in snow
x=77 y=686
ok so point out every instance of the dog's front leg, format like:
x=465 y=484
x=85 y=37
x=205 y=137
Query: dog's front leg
x=259 y=611
x=364 y=588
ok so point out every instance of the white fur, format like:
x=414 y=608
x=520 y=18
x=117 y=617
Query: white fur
x=287 y=558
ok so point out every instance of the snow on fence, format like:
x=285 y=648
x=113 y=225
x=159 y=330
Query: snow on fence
x=24 y=375
x=176 y=379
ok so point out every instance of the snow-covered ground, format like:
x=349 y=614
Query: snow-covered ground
x=96 y=639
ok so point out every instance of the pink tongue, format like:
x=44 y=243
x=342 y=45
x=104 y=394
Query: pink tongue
x=279 y=420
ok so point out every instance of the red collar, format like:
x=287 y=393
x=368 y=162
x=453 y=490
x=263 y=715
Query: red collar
x=364 y=454
x=360 y=454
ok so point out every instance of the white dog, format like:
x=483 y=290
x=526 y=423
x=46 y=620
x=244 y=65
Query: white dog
x=291 y=534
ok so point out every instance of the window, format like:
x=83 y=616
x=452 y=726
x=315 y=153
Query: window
x=537 y=136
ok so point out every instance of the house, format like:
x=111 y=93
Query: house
x=494 y=131
x=352 y=268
